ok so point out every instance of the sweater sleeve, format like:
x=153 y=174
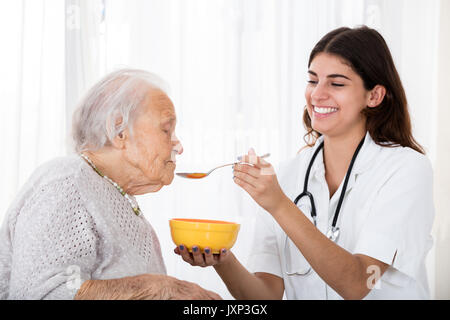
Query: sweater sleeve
x=54 y=244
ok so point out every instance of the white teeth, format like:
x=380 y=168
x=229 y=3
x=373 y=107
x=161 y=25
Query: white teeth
x=324 y=110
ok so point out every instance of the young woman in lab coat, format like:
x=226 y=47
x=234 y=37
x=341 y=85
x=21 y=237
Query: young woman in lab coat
x=366 y=177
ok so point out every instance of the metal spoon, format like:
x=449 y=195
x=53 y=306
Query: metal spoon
x=200 y=175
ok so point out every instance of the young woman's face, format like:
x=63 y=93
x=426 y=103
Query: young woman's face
x=335 y=96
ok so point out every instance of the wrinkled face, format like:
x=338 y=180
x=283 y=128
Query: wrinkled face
x=153 y=144
x=335 y=96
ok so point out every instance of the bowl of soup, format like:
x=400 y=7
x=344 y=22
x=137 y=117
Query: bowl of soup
x=212 y=234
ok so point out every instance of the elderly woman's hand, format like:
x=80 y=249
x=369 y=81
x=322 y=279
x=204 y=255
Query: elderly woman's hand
x=143 y=287
x=201 y=259
x=258 y=178
x=184 y=290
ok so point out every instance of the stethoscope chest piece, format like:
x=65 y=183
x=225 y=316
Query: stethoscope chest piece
x=333 y=233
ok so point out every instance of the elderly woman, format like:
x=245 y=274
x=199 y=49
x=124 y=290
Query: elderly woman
x=75 y=229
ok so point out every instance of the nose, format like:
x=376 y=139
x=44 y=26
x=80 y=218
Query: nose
x=178 y=147
x=319 y=93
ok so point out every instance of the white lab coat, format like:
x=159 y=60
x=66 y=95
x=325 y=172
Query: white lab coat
x=387 y=212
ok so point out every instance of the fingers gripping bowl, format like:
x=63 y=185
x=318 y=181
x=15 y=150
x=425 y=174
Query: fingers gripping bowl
x=213 y=234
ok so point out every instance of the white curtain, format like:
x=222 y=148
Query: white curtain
x=441 y=143
x=237 y=70
x=32 y=110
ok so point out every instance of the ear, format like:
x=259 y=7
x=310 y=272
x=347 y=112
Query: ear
x=121 y=139
x=376 y=96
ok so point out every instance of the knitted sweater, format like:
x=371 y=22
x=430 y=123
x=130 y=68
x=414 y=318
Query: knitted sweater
x=68 y=225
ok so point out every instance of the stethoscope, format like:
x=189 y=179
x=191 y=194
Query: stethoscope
x=333 y=231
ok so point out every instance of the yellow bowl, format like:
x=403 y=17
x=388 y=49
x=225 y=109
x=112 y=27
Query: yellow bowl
x=211 y=234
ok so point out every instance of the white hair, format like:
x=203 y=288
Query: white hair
x=109 y=107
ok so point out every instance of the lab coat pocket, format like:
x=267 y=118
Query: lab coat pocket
x=295 y=262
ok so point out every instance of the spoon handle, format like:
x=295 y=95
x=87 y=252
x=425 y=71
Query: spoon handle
x=230 y=164
x=224 y=165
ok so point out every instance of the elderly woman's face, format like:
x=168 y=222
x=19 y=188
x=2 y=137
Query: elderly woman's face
x=153 y=144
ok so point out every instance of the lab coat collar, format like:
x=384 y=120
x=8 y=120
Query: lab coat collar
x=362 y=163
x=366 y=155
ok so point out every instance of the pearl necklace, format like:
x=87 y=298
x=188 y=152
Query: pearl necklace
x=134 y=206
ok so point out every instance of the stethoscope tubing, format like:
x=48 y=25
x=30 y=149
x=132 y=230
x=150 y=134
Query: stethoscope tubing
x=333 y=233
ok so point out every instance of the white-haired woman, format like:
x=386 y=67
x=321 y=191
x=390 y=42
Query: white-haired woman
x=75 y=229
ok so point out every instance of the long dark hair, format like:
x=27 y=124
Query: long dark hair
x=366 y=51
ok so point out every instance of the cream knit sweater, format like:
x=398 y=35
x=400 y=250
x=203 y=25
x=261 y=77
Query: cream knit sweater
x=68 y=225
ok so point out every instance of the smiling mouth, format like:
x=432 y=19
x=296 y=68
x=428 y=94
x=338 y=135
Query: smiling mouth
x=324 y=110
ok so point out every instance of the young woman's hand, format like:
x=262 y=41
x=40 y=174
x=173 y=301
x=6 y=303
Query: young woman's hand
x=258 y=178
x=201 y=259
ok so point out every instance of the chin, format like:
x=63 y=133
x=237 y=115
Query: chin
x=322 y=128
x=169 y=179
x=148 y=189
x=157 y=188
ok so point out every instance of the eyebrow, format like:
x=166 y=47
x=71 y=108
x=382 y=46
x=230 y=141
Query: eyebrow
x=334 y=75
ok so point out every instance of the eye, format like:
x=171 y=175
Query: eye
x=337 y=84
x=312 y=82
